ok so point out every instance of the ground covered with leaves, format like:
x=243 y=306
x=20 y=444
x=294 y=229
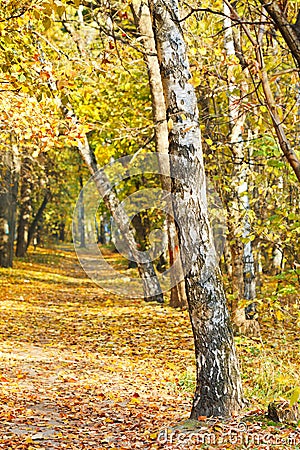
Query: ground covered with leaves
x=81 y=368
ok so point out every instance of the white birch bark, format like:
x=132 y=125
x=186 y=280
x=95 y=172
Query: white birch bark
x=245 y=266
x=144 y=24
x=218 y=390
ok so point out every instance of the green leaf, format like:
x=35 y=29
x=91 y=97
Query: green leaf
x=275 y=163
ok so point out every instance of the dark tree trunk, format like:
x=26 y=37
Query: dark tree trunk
x=218 y=390
x=290 y=32
x=102 y=236
x=34 y=224
x=141 y=225
x=178 y=294
x=81 y=222
x=62 y=227
x=97 y=231
x=9 y=177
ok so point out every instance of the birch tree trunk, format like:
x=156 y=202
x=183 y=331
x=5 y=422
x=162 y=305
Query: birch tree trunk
x=218 y=390
x=151 y=286
x=25 y=208
x=144 y=24
x=236 y=122
x=243 y=276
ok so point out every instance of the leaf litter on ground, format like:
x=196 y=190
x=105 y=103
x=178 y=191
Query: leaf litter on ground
x=81 y=368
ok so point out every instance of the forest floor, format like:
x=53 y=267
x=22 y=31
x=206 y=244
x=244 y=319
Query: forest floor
x=81 y=368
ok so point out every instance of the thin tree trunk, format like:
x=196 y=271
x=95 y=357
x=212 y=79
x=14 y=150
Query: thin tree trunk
x=9 y=177
x=273 y=108
x=25 y=209
x=236 y=253
x=289 y=32
x=244 y=282
x=151 y=286
x=237 y=120
x=13 y=204
x=81 y=223
x=144 y=24
x=218 y=390
x=62 y=227
x=33 y=226
x=102 y=231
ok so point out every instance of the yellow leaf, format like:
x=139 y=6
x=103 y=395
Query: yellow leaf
x=295 y=396
x=279 y=315
x=108 y=420
x=170 y=124
x=282 y=379
x=135 y=400
x=16 y=67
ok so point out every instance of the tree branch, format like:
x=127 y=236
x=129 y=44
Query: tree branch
x=287 y=30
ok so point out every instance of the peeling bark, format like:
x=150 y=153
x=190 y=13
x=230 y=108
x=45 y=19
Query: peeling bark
x=144 y=24
x=218 y=390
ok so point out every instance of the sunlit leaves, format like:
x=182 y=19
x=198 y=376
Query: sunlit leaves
x=80 y=367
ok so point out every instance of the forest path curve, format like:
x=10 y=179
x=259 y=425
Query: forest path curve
x=82 y=368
